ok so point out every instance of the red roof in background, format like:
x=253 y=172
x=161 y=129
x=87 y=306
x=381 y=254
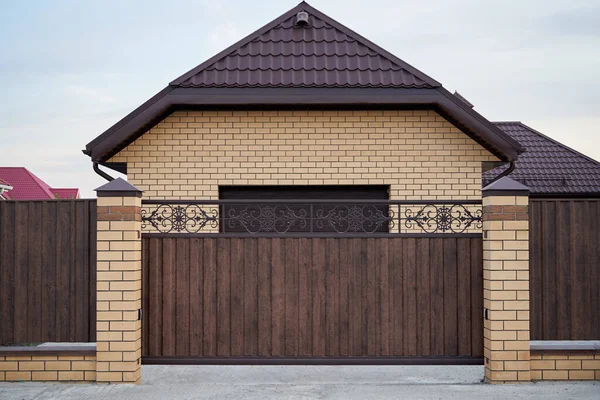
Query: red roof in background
x=4 y=183
x=27 y=186
x=65 y=193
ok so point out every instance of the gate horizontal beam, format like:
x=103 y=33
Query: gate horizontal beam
x=441 y=360
x=310 y=235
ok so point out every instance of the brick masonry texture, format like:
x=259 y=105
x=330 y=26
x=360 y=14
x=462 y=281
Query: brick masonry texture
x=119 y=290
x=506 y=289
x=506 y=213
x=118 y=213
x=565 y=365
x=418 y=153
x=48 y=368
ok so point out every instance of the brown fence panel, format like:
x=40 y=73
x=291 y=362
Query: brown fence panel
x=47 y=271
x=312 y=297
x=565 y=269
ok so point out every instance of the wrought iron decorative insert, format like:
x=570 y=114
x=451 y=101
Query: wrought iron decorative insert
x=281 y=217
x=451 y=218
x=190 y=218
x=275 y=218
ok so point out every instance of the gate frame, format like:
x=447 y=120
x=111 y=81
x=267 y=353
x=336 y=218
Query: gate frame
x=506 y=282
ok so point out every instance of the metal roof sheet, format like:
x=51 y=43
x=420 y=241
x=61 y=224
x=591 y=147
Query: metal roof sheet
x=4 y=183
x=323 y=53
x=117 y=185
x=323 y=64
x=547 y=166
x=507 y=184
x=27 y=186
x=65 y=193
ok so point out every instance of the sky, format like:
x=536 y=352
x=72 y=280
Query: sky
x=69 y=70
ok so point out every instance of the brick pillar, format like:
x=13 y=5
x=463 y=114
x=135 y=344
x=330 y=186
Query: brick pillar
x=119 y=283
x=506 y=282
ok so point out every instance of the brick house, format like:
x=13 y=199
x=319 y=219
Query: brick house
x=306 y=197
x=301 y=111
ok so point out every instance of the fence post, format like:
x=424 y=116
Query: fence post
x=506 y=282
x=119 y=283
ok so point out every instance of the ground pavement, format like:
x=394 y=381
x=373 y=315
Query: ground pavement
x=305 y=382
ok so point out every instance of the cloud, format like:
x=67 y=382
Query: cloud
x=90 y=94
x=580 y=133
x=575 y=21
x=68 y=74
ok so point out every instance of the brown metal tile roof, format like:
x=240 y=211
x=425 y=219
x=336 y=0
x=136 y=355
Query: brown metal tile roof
x=323 y=53
x=322 y=64
x=547 y=166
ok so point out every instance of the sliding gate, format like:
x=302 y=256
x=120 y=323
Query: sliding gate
x=347 y=293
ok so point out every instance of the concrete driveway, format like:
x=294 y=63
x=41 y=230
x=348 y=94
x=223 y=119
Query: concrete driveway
x=302 y=382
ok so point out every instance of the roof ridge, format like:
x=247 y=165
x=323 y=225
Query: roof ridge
x=29 y=179
x=342 y=85
x=43 y=185
x=303 y=6
x=564 y=146
x=378 y=49
x=234 y=46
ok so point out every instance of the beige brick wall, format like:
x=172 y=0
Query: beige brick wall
x=565 y=365
x=506 y=288
x=418 y=153
x=119 y=290
x=48 y=368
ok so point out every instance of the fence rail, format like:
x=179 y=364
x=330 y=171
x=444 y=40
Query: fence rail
x=282 y=217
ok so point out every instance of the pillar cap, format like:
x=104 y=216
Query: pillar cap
x=118 y=188
x=505 y=186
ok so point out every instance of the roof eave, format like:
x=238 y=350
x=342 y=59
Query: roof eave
x=489 y=125
x=143 y=118
x=142 y=109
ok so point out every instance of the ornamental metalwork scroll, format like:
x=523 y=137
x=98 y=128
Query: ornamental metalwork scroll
x=431 y=218
x=356 y=218
x=191 y=218
x=280 y=218
x=269 y=218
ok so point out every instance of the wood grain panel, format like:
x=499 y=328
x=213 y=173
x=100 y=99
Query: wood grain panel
x=305 y=301
x=313 y=297
x=450 y=298
x=209 y=284
x=564 y=249
x=196 y=334
x=223 y=294
x=47 y=271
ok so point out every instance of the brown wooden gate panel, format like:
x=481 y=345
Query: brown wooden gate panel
x=565 y=274
x=312 y=297
x=47 y=271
